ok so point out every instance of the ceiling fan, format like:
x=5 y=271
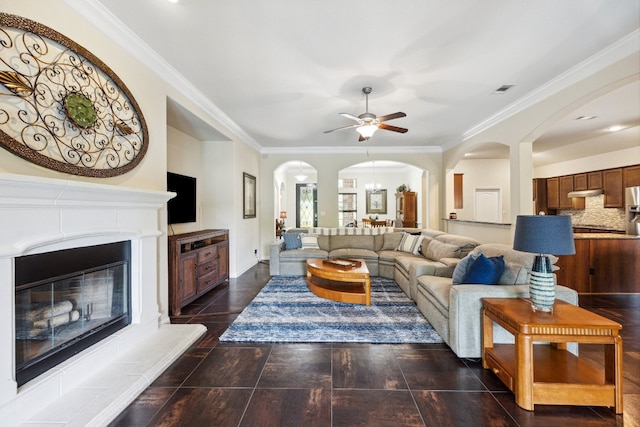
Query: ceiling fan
x=368 y=123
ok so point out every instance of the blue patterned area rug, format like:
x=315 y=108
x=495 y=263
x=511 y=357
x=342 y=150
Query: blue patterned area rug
x=285 y=311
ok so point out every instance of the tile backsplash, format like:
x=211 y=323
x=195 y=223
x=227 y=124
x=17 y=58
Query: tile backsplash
x=595 y=213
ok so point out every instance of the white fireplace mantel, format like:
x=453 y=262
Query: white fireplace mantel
x=40 y=215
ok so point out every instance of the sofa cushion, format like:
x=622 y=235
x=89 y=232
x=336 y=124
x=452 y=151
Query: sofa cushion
x=309 y=241
x=297 y=255
x=292 y=241
x=352 y=242
x=484 y=271
x=437 y=289
x=410 y=243
x=432 y=233
x=351 y=253
x=390 y=241
x=462 y=267
x=423 y=247
x=437 y=249
x=514 y=274
x=464 y=244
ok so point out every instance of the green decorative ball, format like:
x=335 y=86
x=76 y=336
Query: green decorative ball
x=80 y=110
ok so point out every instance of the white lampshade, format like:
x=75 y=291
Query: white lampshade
x=367 y=131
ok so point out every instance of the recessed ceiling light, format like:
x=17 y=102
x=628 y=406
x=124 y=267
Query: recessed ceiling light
x=615 y=128
x=586 y=117
x=502 y=89
x=173 y=1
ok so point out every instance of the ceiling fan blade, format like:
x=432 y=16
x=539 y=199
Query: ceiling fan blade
x=391 y=116
x=392 y=128
x=351 y=116
x=342 y=128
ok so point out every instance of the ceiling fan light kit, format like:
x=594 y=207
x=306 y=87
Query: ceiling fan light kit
x=367 y=131
x=368 y=123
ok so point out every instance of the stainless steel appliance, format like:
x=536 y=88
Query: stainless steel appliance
x=632 y=210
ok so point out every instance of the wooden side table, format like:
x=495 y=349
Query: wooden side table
x=549 y=374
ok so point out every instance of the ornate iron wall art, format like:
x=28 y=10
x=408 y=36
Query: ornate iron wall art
x=63 y=108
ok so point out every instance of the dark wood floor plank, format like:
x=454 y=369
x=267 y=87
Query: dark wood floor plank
x=203 y=407
x=378 y=408
x=436 y=370
x=179 y=370
x=289 y=407
x=229 y=367
x=368 y=367
x=302 y=366
x=462 y=409
x=144 y=408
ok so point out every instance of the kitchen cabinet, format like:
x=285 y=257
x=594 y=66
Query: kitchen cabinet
x=553 y=201
x=540 y=197
x=198 y=262
x=612 y=185
x=631 y=176
x=565 y=185
x=580 y=181
x=594 y=180
x=601 y=264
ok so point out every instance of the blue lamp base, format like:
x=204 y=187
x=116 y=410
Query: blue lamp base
x=542 y=287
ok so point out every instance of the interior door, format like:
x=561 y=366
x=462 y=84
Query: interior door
x=487 y=206
x=306 y=205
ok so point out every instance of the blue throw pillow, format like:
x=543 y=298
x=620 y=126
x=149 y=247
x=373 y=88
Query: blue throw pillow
x=461 y=269
x=484 y=271
x=292 y=241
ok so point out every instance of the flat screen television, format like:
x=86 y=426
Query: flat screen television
x=181 y=208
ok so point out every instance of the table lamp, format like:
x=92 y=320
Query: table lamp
x=283 y=216
x=542 y=235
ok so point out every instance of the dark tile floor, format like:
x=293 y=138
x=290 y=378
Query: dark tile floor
x=222 y=384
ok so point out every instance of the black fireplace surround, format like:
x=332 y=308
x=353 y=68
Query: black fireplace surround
x=68 y=300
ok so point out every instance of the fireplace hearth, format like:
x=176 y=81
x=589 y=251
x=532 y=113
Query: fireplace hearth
x=67 y=301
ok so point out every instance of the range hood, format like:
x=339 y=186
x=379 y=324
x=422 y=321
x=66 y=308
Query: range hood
x=585 y=193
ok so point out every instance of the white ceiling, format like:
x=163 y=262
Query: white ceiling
x=282 y=70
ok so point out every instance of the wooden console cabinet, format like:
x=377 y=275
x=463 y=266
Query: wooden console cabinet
x=198 y=262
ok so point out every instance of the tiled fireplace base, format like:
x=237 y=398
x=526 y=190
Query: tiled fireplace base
x=101 y=397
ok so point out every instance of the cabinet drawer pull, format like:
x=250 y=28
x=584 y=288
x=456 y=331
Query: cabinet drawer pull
x=495 y=370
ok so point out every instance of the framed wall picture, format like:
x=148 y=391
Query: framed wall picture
x=376 y=202
x=248 y=196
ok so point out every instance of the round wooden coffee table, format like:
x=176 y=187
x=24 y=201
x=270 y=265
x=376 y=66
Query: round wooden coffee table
x=340 y=280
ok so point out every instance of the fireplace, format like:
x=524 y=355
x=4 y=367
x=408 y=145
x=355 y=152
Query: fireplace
x=119 y=291
x=67 y=301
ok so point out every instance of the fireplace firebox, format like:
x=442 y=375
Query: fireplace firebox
x=66 y=301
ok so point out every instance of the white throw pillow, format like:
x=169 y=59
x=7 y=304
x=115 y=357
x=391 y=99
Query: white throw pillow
x=410 y=243
x=309 y=241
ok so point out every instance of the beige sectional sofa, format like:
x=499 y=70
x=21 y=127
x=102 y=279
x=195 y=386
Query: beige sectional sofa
x=424 y=274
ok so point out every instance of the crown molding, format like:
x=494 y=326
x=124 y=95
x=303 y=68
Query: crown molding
x=617 y=51
x=104 y=21
x=425 y=149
